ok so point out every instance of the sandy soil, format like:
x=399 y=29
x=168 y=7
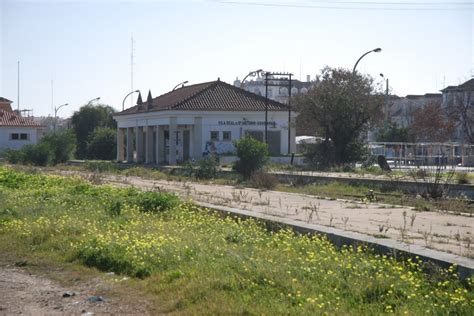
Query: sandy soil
x=28 y=294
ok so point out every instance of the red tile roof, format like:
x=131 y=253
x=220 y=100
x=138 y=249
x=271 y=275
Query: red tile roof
x=208 y=96
x=11 y=119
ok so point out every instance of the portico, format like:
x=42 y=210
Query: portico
x=197 y=120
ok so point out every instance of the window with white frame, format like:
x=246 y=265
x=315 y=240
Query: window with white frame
x=214 y=135
x=226 y=136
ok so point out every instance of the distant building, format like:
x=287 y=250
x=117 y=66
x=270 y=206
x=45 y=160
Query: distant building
x=456 y=96
x=402 y=109
x=15 y=130
x=197 y=120
x=279 y=94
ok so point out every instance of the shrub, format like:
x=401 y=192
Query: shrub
x=38 y=155
x=14 y=156
x=62 y=145
x=206 y=168
x=320 y=155
x=264 y=180
x=102 y=144
x=155 y=202
x=253 y=155
x=462 y=178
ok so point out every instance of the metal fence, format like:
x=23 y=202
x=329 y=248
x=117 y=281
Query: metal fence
x=424 y=154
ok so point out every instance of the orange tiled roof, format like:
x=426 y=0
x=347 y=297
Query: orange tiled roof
x=208 y=96
x=11 y=119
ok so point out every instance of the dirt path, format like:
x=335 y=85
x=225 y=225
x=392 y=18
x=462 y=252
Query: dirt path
x=446 y=232
x=28 y=294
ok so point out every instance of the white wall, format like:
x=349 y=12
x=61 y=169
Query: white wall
x=5 y=142
x=235 y=122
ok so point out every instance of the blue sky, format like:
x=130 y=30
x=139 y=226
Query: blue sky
x=84 y=46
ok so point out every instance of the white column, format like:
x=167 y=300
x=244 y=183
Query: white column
x=173 y=129
x=140 y=150
x=130 y=144
x=120 y=147
x=159 y=139
x=149 y=144
x=197 y=138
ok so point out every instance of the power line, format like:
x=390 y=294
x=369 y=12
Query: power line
x=469 y=6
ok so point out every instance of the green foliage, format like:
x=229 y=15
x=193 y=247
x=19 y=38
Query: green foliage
x=200 y=262
x=253 y=155
x=392 y=133
x=14 y=156
x=62 y=145
x=102 y=144
x=101 y=166
x=206 y=168
x=340 y=109
x=462 y=178
x=86 y=120
x=53 y=148
x=155 y=202
x=37 y=155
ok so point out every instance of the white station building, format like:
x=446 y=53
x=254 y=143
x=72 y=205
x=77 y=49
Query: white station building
x=198 y=120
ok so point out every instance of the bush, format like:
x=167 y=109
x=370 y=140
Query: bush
x=38 y=155
x=206 y=168
x=62 y=145
x=253 y=155
x=462 y=178
x=102 y=144
x=155 y=202
x=320 y=155
x=14 y=156
x=264 y=180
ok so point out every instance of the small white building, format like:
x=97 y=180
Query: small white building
x=196 y=120
x=15 y=130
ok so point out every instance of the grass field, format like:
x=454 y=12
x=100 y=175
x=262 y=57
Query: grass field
x=193 y=261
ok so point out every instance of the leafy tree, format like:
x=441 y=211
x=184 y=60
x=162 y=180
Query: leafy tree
x=39 y=154
x=393 y=133
x=253 y=155
x=102 y=144
x=86 y=120
x=62 y=145
x=430 y=124
x=340 y=108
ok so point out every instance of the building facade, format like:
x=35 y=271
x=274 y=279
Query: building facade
x=15 y=130
x=198 y=120
x=279 y=94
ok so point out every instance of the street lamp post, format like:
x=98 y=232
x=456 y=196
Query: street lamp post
x=123 y=102
x=56 y=109
x=376 y=50
x=252 y=73
x=386 y=102
x=93 y=100
x=180 y=84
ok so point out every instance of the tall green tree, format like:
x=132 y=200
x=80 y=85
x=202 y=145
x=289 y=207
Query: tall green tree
x=86 y=120
x=102 y=144
x=340 y=108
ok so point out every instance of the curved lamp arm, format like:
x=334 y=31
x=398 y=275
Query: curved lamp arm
x=252 y=73
x=179 y=84
x=377 y=50
x=123 y=102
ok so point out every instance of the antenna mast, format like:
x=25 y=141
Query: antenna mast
x=18 y=84
x=131 y=69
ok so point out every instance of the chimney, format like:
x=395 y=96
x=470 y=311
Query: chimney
x=308 y=78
